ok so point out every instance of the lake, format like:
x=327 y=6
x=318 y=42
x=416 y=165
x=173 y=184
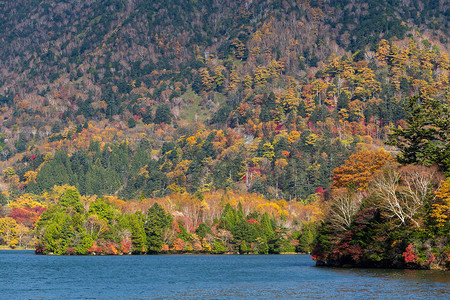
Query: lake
x=29 y=276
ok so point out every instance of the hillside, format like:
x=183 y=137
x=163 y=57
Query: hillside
x=292 y=76
x=140 y=100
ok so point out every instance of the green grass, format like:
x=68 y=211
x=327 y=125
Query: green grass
x=191 y=109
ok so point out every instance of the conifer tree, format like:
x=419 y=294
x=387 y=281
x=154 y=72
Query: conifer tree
x=156 y=221
x=425 y=140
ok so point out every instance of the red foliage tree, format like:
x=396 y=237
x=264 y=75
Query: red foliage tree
x=409 y=255
x=125 y=246
x=26 y=216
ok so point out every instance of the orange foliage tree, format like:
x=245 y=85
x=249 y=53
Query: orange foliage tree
x=359 y=169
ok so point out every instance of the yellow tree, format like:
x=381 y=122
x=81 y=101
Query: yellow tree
x=248 y=81
x=30 y=176
x=26 y=200
x=241 y=49
x=23 y=234
x=207 y=80
x=219 y=78
x=178 y=176
x=261 y=75
x=276 y=67
x=8 y=231
x=441 y=209
x=234 y=80
x=268 y=151
x=289 y=100
x=383 y=53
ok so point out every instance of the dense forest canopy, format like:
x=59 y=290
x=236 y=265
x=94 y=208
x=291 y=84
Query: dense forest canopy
x=298 y=101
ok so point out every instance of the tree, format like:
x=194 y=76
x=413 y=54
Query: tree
x=156 y=222
x=359 y=169
x=82 y=247
x=441 y=209
x=202 y=230
x=55 y=172
x=103 y=209
x=8 y=230
x=3 y=200
x=343 y=209
x=307 y=237
x=219 y=78
x=403 y=195
x=243 y=249
x=425 y=140
x=95 y=226
x=58 y=234
x=71 y=198
x=131 y=122
x=138 y=235
x=207 y=80
x=163 y=114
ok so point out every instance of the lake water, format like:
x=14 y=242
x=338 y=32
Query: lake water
x=28 y=276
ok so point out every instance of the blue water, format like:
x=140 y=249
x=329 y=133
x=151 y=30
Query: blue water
x=28 y=276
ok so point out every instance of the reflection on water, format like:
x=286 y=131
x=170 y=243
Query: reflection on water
x=394 y=274
x=415 y=284
x=206 y=277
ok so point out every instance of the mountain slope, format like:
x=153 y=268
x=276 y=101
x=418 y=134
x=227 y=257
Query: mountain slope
x=280 y=90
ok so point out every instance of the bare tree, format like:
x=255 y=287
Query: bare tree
x=402 y=194
x=343 y=209
x=386 y=190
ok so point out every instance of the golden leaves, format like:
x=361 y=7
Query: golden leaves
x=441 y=210
x=359 y=169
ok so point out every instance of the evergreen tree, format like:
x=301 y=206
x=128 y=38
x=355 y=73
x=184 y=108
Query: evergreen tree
x=307 y=237
x=163 y=114
x=156 y=221
x=243 y=249
x=202 y=230
x=103 y=209
x=426 y=138
x=71 y=198
x=342 y=102
x=94 y=180
x=131 y=122
x=84 y=244
x=266 y=225
x=56 y=172
x=58 y=234
x=138 y=236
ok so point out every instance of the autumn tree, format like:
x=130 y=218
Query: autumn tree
x=8 y=230
x=441 y=208
x=359 y=169
x=207 y=80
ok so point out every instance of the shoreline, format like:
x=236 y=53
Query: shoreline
x=16 y=249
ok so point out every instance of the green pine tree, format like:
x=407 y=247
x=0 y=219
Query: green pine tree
x=156 y=221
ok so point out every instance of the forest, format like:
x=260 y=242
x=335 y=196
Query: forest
x=132 y=127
